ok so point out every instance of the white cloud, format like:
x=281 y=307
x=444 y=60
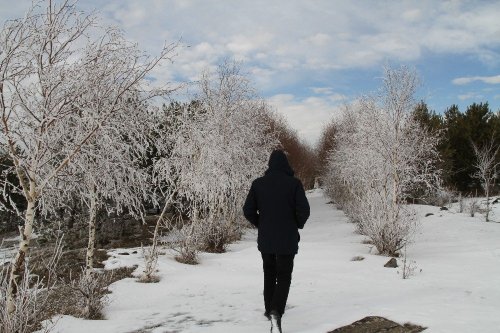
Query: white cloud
x=178 y=3
x=263 y=77
x=486 y=79
x=245 y=44
x=470 y=95
x=319 y=39
x=465 y=96
x=321 y=35
x=322 y=90
x=329 y=94
x=13 y=9
x=285 y=44
x=336 y=97
x=412 y=15
x=261 y=56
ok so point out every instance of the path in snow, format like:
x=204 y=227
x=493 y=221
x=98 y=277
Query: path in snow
x=457 y=291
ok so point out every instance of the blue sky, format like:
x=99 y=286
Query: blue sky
x=309 y=57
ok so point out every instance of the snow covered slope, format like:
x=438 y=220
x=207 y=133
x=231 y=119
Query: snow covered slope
x=457 y=289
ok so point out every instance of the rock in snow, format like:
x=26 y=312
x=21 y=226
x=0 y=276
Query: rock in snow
x=392 y=263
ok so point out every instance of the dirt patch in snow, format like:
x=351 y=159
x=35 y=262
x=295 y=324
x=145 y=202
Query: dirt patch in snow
x=374 y=324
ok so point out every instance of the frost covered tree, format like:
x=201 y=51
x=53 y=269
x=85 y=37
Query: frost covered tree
x=382 y=155
x=53 y=76
x=486 y=168
x=108 y=172
x=218 y=146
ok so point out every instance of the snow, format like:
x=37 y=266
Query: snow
x=9 y=246
x=457 y=289
x=6 y=254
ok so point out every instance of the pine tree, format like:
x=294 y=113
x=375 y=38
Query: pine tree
x=461 y=130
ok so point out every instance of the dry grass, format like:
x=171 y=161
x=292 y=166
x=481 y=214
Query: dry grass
x=148 y=279
x=187 y=258
x=68 y=300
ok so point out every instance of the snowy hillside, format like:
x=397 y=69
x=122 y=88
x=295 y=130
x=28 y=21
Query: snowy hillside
x=455 y=287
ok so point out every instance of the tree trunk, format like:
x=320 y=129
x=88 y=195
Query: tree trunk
x=89 y=263
x=149 y=269
x=25 y=234
x=487 y=190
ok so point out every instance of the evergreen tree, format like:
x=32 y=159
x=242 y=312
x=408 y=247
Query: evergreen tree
x=428 y=119
x=477 y=125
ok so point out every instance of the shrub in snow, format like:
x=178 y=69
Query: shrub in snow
x=461 y=204
x=473 y=206
x=408 y=267
x=187 y=245
x=92 y=287
x=442 y=197
x=150 y=255
x=34 y=294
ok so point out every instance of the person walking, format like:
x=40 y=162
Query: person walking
x=277 y=205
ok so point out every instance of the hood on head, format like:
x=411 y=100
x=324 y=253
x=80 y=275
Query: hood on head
x=279 y=162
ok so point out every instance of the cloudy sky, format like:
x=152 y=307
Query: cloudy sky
x=309 y=57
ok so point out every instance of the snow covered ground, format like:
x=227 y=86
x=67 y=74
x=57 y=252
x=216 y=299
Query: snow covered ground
x=457 y=289
x=8 y=248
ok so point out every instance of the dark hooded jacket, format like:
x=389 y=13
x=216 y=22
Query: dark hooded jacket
x=277 y=205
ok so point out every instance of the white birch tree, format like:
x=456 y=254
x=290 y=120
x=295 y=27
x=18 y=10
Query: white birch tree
x=109 y=171
x=42 y=91
x=219 y=145
x=486 y=168
x=382 y=156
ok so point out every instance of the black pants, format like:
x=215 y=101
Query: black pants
x=277 y=278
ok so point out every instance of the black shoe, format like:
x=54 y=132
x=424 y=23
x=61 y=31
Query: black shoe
x=275 y=322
